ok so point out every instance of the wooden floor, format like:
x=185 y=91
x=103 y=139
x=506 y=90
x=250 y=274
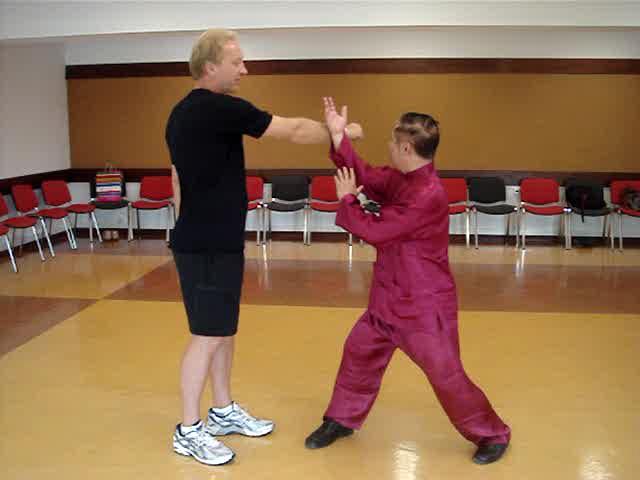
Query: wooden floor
x=90 y=343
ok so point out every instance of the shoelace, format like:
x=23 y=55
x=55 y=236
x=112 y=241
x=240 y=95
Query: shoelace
x=243 y=414
x=201 y=438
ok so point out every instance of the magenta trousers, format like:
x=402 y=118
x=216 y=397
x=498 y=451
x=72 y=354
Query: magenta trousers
x=367 y=352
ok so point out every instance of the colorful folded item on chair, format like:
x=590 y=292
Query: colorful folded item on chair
x=109 y=186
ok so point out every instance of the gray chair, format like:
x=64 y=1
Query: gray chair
x=289 y=193
x=488 y=195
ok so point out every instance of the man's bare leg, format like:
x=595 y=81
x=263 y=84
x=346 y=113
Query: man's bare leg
x=196 y=364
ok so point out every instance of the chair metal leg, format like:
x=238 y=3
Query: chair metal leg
x=138 y=225
x=21 y=241
x=168 y=222
x=563 y=230
x=567 y=231
x=75 y=223
x=73 y=236
x=263 y=225
x=610 y=230
x=259 y=224
x=467 y=228
x=620 y=230
x=35 y=235
x=68 y=231
x=523 y=229
x=475 y=221
x=129 y=223
x=89 y=219
x=13 y=260
x=506 y=235
x=305 y=234
x=350 y=239
x=95 y=224
x=46 y=235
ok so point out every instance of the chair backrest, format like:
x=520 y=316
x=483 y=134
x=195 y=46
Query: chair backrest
x=539 y=191
x=4 y=210
x=619 y=186
x=255 y=188
x=24 y=198
x=156 y=188
x=584 y=194
x=323 y=188
x=290 y=188
x=487 y=190
x=56 y=192
x=456 y=189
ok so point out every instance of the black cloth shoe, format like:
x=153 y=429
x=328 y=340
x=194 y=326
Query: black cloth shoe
x=489 y=453
x=326 y=434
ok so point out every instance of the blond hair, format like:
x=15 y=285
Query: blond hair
x=209 y=48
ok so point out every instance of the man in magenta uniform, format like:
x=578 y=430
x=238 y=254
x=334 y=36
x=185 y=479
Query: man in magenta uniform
x=413 y=303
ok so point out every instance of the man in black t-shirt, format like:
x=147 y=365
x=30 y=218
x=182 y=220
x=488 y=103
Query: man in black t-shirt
x=204 y=135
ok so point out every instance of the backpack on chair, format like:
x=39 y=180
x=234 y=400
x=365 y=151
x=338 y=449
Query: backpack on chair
x=585 y=196
x=630 y=198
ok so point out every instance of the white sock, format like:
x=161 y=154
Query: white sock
x=223 y=412
x=185 y=430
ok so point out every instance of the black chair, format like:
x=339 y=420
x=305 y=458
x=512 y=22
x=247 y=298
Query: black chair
x=289 y=193
x=488 y=195
x=576 y=206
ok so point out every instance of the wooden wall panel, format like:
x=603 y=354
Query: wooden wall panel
x=530 y=121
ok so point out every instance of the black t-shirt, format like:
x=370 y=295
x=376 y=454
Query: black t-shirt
x=204 y=136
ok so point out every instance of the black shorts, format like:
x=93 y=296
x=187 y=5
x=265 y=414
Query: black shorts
x=211 y=284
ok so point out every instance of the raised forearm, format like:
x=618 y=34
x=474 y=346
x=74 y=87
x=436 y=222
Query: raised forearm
x=308 y=131
x=353 y=131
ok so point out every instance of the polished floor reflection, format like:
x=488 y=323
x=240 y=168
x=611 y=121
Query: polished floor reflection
x=91 y=340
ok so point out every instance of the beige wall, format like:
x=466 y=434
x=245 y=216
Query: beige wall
x=526 y=122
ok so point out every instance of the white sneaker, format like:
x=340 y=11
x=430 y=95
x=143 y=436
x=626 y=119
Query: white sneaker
x=237 y=421
x=201 y=446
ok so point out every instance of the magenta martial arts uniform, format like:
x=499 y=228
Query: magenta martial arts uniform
x=412 y=304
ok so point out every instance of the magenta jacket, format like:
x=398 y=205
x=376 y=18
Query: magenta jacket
x=412 y=286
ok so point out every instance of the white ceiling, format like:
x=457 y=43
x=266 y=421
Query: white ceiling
x=116 y=31
x=29 y=19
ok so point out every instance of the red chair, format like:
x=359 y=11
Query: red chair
x=27 y=203
x=324 y=199
x=541 y=196
x=156 y=193
x=255 y=196
x=17 y=223
x=617 y=189
x=456 y=189
x=56 y=194
x=3 y=233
